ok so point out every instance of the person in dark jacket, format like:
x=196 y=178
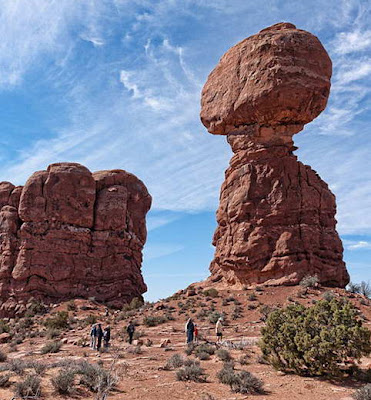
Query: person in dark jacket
x=99 y=336
x=93 y=337
x=130 y=330
x=106 y=336
x=189 y=329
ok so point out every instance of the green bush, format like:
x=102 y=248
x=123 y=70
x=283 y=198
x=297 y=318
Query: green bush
x=51 y=347
x=90 y=320
x=59 y=321
x=71 y=306
x=64 y=381
x=363 y=393
x=314 y=340
x=29 y=387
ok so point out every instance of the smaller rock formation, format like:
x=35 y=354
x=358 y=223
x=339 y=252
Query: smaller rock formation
x=69 y=233
x=276 y=218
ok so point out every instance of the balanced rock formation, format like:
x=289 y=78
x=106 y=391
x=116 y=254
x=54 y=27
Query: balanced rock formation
x=72 y=233
x=276 y=218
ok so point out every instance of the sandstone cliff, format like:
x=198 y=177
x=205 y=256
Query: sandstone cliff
x=276 y=218
x=72 y=233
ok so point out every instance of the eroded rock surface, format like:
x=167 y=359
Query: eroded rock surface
x=276 y=218
x=70 y=233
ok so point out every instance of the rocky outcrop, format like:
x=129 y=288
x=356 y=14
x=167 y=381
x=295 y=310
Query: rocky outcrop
x=69 y=233
x=276 y=218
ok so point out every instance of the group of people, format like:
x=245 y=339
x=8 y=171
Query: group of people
x=191 y=331
x=97 y=334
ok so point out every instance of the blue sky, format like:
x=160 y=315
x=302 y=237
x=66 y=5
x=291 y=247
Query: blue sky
x=116 y=84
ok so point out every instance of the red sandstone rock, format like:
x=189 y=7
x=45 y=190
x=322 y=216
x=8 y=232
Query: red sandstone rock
x=279 y=76
x=74 y=234
x=276 y=218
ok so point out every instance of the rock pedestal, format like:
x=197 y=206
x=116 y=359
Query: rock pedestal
x=69 y=233
x=276 y=218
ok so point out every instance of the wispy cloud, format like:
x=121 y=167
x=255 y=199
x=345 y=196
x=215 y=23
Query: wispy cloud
x=351 y=42
x=158 y=250
x=357 y=245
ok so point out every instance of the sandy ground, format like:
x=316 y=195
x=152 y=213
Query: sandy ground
x=142 y=375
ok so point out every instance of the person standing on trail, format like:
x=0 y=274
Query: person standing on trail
x=93 y=338
x=189 y=330
x=130 y=330
x=196 y=333
x=106 y=336
x=219 y=330
x=99 y=336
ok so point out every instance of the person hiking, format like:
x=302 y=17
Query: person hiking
x=99 y=336
x=130 y=330
x=189 y=330
x=93 y=339
x=107 y=336
x=219 y=330
x=196 y=333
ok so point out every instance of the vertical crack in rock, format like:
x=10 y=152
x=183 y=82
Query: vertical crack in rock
x=71 y=233
x=276 y=218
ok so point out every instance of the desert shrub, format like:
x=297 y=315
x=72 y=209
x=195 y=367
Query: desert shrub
x=214 y=316
x=59 y=321
x=203 y=356
x=365 y=289
x=90 y=320
x=363 y=393
x=246 y=383
x=328 y=296
x=191 y=372
x=39 y=367
x=259 y=289
x=36 y=308
x=18 y=366
x=189 y=349
x=51 y=347
x=265 y=311
x=223 y=355
x=252 y=306
x=29 y=387
x=204 y=349
x=154 y=320
x=309 y=281
x=244 y=359
x=95 y=378
x=4 y=380
x=314 y=340
x=3 y=356
x=71 y=306
x=64 y=381
x=252 y=297
x=354 y=287
x=212 y=292
x=239 y=382
x=53 y=333
x=227 y=374
x=4 y=327
x=175 y=361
